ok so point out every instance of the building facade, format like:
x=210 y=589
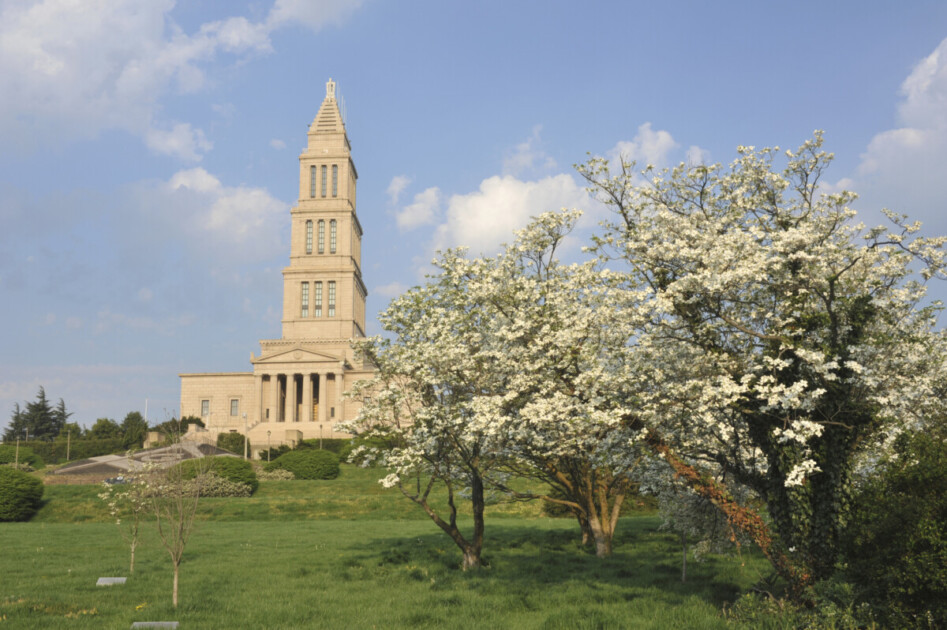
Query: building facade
x=296 y=386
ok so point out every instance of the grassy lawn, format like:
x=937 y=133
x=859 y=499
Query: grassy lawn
x=348 y=554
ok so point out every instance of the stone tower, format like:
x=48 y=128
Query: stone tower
x=296 y=388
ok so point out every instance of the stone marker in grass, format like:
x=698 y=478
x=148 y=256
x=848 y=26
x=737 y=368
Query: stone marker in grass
x=110 y=581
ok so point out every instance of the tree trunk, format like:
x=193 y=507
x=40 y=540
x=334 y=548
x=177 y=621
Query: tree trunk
x=174 y=588
x=131 y=567
x=584 y=526
x=601 y=532
x=471 y=558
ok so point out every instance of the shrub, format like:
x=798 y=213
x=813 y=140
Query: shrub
x=277 y=474
x=896 y=543
x=27 y=456
x=366 y=449
x=20 y=494
x=308 y=464
x=335 y=445
x=213 y=485
x=232 y=442
x=275 y=452
x=231 y=468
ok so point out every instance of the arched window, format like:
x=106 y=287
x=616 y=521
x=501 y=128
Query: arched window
x=332 y=232
x=335 y=180
x=305 y=300
x=317 y=306
x=309 y=236
x=324 y=180
x=322 y=236
x=312 y=181
x=331 y=298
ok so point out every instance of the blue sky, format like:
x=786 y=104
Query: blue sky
x=148 y=148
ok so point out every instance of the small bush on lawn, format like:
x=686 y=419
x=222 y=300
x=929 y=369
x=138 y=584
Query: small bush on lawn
x=232 y=442
x=27 y=456
x=213 y=485
x=232 y=468
x=277 y=474
x=308 y=464
x=20 y=494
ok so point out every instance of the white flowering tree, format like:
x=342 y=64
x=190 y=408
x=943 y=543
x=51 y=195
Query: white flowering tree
x=785 y=338
x=510 y=365
x=129 y=504
x=422 y=398
x=570 y=375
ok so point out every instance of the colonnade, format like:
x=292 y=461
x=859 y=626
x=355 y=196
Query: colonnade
x=300 y=397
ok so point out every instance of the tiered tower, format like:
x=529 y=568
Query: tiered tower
x=296 y=388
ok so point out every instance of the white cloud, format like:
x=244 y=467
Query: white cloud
x=647 y=147
x=227 y=217
x=423 y=211
x=277 y=144
x=902 y=168
x=313 y=15
x=70 y=69
x=696 y=156
x=396 y=187
x=485 y=219
x=390 y=290
x=182 y=141
x=527 y=157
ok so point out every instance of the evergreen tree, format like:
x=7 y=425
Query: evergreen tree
x=134 y=430
x=17 y=427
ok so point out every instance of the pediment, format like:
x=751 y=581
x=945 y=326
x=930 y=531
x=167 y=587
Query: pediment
x=298 y=355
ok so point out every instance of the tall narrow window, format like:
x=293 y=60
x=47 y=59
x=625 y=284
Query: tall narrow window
x=312 y=181
x=324 y=180
x=234 y=406
x=331 y=298
x=332 y=232
x=205 y=408
x=305 y=300
x=309 y=237
x=322 y=236
x=335 y=180
x=317 y=307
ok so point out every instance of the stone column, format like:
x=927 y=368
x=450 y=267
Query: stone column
x=274 y=398
x=291 y=398
x=338 y=397
x=258 y=383
x=307 y=398
x=322 y=399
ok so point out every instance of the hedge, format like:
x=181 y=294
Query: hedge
x=308 y=464
x=231 y=468
x=55 y=452
x=20 y=494
x=232 y=442
x=8 y=455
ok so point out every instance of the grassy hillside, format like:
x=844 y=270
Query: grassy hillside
x=349 y=554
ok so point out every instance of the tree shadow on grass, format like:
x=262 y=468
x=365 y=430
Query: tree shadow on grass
x=523 y=559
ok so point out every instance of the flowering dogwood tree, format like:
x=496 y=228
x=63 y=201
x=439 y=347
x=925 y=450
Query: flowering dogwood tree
x=785 y=339
x=562 y=344
x=422 y=398
x=510 y=365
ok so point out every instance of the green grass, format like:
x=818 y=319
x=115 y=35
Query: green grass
x=373 y=560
